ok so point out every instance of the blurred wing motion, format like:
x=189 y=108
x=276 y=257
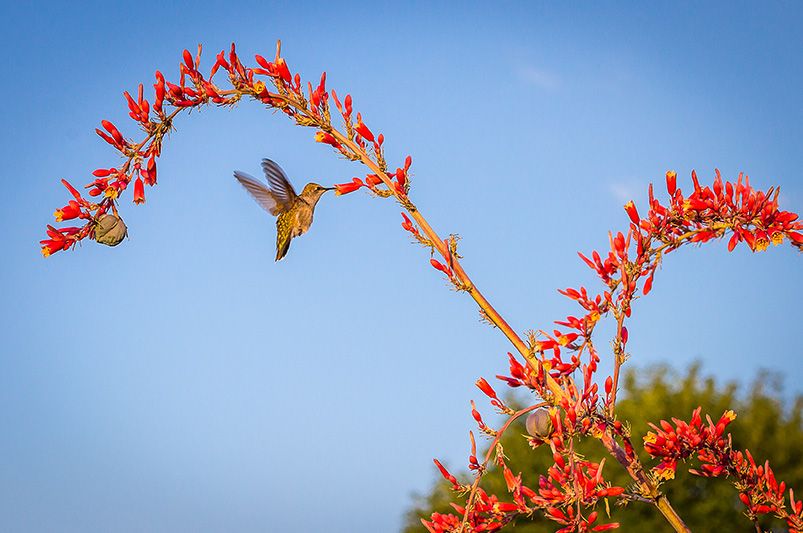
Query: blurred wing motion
x=279 y=184
x=264 y=196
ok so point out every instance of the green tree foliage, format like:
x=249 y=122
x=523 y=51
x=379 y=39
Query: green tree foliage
x=769 y=424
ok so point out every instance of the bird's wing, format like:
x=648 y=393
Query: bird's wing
x=264 y=196
x=279 y=184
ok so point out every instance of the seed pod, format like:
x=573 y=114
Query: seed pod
x=539 y=423
x=110 y=230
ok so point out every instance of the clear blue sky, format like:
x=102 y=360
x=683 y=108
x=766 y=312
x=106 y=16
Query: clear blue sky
x=185 y=382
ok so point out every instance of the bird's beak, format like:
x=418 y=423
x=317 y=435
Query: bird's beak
x=329 y=188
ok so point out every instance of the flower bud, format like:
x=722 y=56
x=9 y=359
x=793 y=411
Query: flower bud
x=110 y=230
x=539 y=423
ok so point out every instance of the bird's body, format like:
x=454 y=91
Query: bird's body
x=294 y=212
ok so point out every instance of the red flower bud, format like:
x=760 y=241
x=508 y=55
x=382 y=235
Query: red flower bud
x=401 y=177
x=75 y=193
x=437 y=265
x=407 y=224
x=347 y=105
x=108 y=126
x=445 y=473
x=373 y=180
x=191 y=65
x=264 y=63
x=648 y=284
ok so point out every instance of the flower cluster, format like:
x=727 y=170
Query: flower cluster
x=627 y=269
x=195 y=89
x=758 y=489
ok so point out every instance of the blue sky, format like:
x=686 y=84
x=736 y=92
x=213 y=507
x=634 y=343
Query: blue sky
x=185 y=382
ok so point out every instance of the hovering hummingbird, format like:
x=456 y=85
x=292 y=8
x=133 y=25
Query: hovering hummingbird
x=294 y=211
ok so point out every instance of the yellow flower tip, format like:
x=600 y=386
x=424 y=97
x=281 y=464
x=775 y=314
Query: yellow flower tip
x=259 y=86
x=594 y=317
x=45 y=251
x=563 y=340
x=58 y=214
x=730 y=415
x=649 y=438
x=110 y=192
x=665 y=474
x=777 y=238
x=320 y=136
x=671 y=174
x=686 y=205
x=762 y=244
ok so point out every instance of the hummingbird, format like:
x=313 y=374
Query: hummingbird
x=293 y=211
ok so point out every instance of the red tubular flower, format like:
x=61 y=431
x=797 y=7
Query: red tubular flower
x=363 y=130
x=734 y=240
x=630 y=207
x=150 y=178
x=51 y=246
x=345 y=188
x=749 y=238
x=326 y=138
x=407 y=224
x=510 y=480
x=485 y=387
x=401 y=177
x=671 y=182
x=68 y=212
x=283 y=71
x=139 y=191
x=159 y=89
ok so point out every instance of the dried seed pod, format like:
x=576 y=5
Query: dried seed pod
x=539 y=423
x=110 y=230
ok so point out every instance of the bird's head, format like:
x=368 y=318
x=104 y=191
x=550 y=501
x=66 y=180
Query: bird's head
x=313 y=191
